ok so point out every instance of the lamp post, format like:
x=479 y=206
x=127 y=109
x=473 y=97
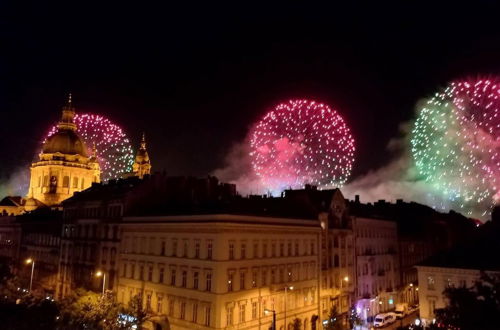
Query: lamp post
x=267 y=311
x=103 y=274
x=286 y=289
x=32 y=262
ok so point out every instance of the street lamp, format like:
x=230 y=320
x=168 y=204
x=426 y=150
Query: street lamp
x=267 y=311
x=286 y=289
x=32 y=262
x=103 y=274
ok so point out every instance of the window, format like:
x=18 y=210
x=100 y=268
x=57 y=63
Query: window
x=150 y=274
x=254 y=279
x=430 y=283
x=242 y=313
x=289 y=249
x=174 y=248
x=161 y=275
x=75 y=182
x=65 y=181
x=159 y=305
x=264 y=277
x=83 y=184
x=183 y=311
x=264 y=250
x=184 y=278
x=185 y=249
x=208 y=284
x=273 y=249
x=273 y=276
x=230 y=282
x=171 y=308
x=148 y=302
x=195 y=280
x=141 y=272
x=312 y=248
x=162 y=249
x=296 y=248
x=229 y=316
x=254 y=310
x=231 y=251
x=124 y=274
x=209 y=250
x=207 y=316
x=282 y=275
x=432 y=306
x=195 y=313
x=255 y=250
x=243 y=250
x=242 y=280
x=172 y=277
x=282 y=249
x=197 y=250
x=132 y=271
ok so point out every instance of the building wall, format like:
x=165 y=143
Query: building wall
x=434 y=280
x=250 y=265
x=10 y=238
x=377 y=265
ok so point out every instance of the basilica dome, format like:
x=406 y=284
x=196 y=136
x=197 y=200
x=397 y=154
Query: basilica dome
x=65 y=141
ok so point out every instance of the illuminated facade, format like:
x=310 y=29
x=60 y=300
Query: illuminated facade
x=377 y=263
x=221 y=271
x=64 y=166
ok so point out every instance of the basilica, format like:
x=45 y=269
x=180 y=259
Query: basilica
x=65 y=165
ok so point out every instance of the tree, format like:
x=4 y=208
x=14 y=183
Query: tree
x=334 y=321
x=20 y=309
x=476 y=307
x=137 y=311
x=297 y=324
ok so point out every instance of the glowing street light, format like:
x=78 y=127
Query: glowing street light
x=32 y=262
x=103 y=274
x=267 y=312
x=346 y=278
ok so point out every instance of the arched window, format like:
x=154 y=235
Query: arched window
x=65 y=181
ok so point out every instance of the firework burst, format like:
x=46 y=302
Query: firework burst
x=114 y=151
x=301 y=142
x=456 y=143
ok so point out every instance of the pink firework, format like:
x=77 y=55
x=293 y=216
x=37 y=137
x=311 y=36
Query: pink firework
x=301 y=142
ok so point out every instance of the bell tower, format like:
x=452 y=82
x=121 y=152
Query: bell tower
x=142 y=163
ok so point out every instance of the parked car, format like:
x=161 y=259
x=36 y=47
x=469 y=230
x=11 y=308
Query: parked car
x=381 y=320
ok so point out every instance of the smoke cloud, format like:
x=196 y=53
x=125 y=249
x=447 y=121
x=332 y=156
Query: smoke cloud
x=238 y=170
x=398 y=179
x=16 y=184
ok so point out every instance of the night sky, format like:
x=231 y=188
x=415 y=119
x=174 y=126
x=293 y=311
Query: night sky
x=195 y=77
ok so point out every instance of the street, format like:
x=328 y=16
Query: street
x=403 y=322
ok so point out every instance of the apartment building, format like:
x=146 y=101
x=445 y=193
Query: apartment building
x=222 y=271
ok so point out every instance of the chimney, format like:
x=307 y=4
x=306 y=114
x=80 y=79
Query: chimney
x=356 y=199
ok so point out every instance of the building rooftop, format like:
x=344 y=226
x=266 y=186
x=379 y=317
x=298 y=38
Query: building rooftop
x=478 y=252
